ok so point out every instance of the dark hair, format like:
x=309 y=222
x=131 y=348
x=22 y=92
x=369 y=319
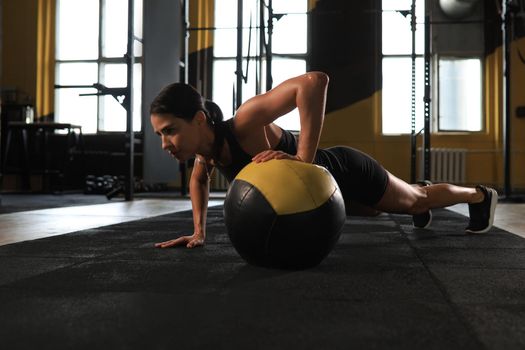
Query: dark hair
x=214 y=111
x=183 y=101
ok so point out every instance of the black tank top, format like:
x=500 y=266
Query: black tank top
x=239 y=158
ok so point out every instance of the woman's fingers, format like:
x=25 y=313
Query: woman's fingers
x=173 y=242
x=271 y=154
x=257 y=158
x=195 y=243
x=189 y=241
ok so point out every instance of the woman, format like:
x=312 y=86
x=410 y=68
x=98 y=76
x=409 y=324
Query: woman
x=191 y=128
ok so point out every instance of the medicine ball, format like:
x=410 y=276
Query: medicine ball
x=284 y=214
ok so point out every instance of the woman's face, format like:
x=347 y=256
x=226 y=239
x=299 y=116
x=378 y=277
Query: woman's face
x=179 y=137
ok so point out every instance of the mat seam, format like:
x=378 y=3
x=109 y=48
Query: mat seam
x=441 y=289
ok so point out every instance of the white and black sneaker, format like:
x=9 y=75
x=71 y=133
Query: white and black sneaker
x=422 y=220
x=482 y=213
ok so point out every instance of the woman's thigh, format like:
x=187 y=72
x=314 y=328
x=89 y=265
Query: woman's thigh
x=360 y=177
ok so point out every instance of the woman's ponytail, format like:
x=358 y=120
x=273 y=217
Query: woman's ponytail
x=214 y=111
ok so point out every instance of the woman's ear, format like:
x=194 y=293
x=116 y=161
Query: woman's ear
x=200 y=117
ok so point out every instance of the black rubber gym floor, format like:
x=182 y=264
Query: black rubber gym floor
x=385 y=285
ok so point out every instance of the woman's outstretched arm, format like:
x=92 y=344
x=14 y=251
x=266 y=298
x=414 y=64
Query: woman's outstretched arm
x=307 y=92
x=199 y=194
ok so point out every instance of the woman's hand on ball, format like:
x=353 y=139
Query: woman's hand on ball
x=265 y=156
x=192 y=241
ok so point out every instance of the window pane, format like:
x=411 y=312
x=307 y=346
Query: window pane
x=137 y=49
x=138 y=18
x=250 y=8
x=70 y=107
x=289 y=37
x=115 y=24
x=284 y=69
x=75 y=109
x=224 y=78
x=137 y=97
x=114 y=75
x=397 y=38
x=290 y=34
x=225 y=13
x=393 y=5
x=76 y=73
x=77 y=29
x=397 y=35
x=113 y=114
x=224 y=84
x=460 y=94
x=226 y=42
x=290 y=6
x=115 y=32
x=397 y=95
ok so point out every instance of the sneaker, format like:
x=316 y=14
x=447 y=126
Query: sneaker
x=422 y=220
x=482 y=213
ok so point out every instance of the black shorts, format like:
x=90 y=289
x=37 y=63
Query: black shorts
x=360 y=177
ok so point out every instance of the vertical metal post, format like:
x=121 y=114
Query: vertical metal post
x=1 y=120
x=186 y=59
x=413 y=135
x=427 y=100
x=130 y=60
x=100 y=99
x=269 y=79
x=506 y=29
x=238 y=72
x=186 y=40
x=262 y=39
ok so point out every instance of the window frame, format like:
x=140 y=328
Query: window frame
x=407 y=55
x=100 y=61
x=435 y=86
x=253 y=58
x=436 y=94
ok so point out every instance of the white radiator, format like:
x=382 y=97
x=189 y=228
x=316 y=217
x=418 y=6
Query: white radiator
x=446 y=165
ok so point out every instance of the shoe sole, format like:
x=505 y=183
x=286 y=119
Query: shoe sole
x=493 y=203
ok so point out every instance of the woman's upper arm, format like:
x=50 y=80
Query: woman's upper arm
x=201 y=169
x=263 y=109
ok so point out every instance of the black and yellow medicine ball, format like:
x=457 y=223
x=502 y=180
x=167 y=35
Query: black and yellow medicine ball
x=284 y=214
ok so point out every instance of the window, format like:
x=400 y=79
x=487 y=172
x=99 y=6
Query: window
x=458 y=102
x=288 y=47
x=460 y=94
x=91 y=43
x=397 y=66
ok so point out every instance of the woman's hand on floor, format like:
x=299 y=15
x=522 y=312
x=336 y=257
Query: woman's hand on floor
x=192 y=241
x=265 y=156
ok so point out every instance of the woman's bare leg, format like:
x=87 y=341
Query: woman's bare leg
x=402 y=198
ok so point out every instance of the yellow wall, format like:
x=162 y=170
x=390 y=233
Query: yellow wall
x=311 y=4
x=201 y=15
x=19 y=22
x=359 y=125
